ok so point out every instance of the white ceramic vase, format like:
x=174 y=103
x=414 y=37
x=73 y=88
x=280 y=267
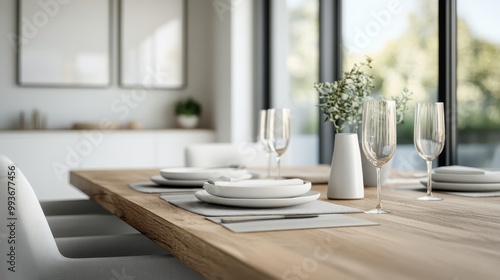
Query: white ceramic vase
x=346 y=173
x=187 y=121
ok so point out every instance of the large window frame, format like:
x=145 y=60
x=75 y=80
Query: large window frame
x=447 y=80
x=331 y=60
x=330 y=50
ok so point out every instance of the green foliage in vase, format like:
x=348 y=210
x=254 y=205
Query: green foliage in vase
x=341 y=101
x=189 y=107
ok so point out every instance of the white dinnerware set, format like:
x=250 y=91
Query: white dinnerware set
x=464 y=179
x=196 y=176
x=235 y=187
x=259 y=193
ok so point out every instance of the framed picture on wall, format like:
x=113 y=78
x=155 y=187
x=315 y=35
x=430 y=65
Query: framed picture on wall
x=64 y=43
x=152 y=43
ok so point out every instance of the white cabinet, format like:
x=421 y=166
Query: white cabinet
x=46 y=157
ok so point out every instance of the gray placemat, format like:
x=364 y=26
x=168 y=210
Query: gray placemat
x=190 y=203
x=150 y=187
x=323 y=221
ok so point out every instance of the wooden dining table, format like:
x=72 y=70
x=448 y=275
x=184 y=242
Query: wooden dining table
x=453 y=239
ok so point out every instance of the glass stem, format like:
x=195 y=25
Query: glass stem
x=269 y=158
x=278 y=161
x=379 y=188
x=429 y=179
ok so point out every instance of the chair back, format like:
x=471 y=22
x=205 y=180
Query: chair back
x=25 y=236
x=32 y=252
x=224 y=155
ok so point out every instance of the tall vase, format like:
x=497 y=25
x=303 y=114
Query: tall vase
x=346 y=173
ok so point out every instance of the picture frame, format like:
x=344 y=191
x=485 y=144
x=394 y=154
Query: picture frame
x=60 y=45
x=152 y=43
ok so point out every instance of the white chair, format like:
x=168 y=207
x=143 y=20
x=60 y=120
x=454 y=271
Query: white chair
x=224 y=155
x=72 y=207
x=83 y=218
x=88 y=225
x=71 y=218
x=108 y=246
x=31 y=252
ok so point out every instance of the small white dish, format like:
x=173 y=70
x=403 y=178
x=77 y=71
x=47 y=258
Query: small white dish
x=257 y=189
x=463 y=187
x=258 y=203
x=466 y=170
x=176 y=183
x=198 y=173
x=466 y=178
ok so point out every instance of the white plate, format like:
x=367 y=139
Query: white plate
x=466 y=178
x=258 y=203
x=459 y=169
x=260 y=191
x=198 y=173
x=177 y=183
x=463 y=187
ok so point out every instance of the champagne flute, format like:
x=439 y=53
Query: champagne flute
x=379 y=138
x=278 y=128
x=428 y=137
x=264 y=140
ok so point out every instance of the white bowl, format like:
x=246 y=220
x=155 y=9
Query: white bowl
x=257 y=192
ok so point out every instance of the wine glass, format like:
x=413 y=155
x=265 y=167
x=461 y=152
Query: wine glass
x=379 y=138
x=278 y=128
x=428 y=137
x=264 y=140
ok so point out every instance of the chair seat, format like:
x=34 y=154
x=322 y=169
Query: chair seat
x=88 y=225
x=72 y=207
x=225 y=155
x=36 y=254
x=108 y=246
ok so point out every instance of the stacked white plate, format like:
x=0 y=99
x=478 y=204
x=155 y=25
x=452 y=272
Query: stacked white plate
x=467 y=179
x=196 y=177
x=258 y=193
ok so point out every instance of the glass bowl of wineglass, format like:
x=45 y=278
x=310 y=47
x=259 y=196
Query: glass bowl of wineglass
x=428 y=137
x=278 y=129
x=379 y=138
x=263 y=139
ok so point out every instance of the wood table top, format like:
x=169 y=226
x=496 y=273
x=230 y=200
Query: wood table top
x=456 y=238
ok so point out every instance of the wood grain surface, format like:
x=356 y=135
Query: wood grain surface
x=454 y=239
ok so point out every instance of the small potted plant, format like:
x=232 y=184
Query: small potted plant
x=188 y=112
x=341 y=102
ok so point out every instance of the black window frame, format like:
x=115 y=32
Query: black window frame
x=330 y=64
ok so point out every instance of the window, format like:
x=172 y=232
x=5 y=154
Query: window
x=294 y=70
x=405 y=39
x=402 y=38
x=478 y=83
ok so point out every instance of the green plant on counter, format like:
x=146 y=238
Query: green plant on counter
x=188 y=107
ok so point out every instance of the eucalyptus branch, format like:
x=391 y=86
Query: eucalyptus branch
x=342 y=101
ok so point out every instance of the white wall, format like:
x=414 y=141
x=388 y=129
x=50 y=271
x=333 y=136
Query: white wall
x=221 y=75
x=46 y=157
x=242 y=82
x=234 y=80
x=64 y=106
